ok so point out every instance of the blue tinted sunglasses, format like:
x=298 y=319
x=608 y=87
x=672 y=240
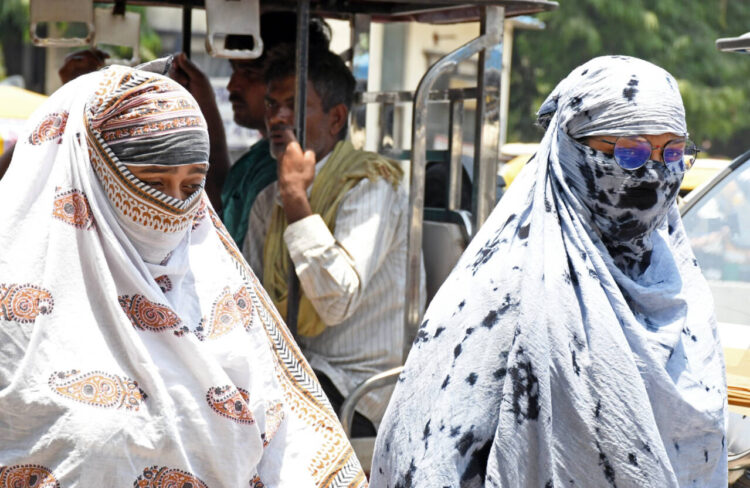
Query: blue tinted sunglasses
x=632 y=152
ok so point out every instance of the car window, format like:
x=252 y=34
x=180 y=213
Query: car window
x=719 y=230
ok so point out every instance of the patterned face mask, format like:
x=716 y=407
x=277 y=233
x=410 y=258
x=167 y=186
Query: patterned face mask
x=625 y=206
x=144 y=119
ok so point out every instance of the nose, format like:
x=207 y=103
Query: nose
x=174 y=190
x=283 y=115
x=656 y=153
x=234 y=82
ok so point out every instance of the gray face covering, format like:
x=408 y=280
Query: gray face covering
x=625 y=206
x=629 y=97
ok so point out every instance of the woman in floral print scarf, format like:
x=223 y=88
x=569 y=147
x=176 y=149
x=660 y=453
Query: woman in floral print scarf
x=137 y=346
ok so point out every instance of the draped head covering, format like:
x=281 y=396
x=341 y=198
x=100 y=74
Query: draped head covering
x=139 y=121
x=574 y=344
x=137 y=345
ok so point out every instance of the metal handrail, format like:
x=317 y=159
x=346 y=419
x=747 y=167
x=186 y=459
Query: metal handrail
x=406 y=96
x=491 y=37
x=737 y=465
x=380 y=380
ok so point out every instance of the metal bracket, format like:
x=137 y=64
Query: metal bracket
x=44 y=11
x=119 y=30
x=739 y=44
x=225 y=18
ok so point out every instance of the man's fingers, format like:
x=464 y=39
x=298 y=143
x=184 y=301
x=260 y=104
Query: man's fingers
x=187 y=66
x=293 y=149
x=290 y=137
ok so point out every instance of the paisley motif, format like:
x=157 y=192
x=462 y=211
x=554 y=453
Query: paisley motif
x=163 y=477
x=72 y=207
x=231 y=402
x=274 y=417
x=27 y=476
x=147 y=315
x=164 y=283
x=24 y=303
x=244 y=306
x=98 y=389
x=228 y=311
x=50 y=128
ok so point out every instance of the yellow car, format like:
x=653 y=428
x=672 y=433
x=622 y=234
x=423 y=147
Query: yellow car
x=16 y=104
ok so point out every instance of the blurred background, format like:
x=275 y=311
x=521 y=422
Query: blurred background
x=678 y=35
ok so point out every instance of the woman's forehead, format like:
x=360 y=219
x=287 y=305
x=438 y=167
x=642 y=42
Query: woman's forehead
x=663 y=137
x=199 y=168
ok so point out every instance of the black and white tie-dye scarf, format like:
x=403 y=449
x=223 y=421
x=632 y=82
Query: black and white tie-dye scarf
x=574 y=344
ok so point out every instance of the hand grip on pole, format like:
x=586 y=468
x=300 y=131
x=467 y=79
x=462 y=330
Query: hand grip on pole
x=233 y=20
x=70 y=11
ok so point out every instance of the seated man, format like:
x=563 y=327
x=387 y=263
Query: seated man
x=342 y=216
x=233 y=189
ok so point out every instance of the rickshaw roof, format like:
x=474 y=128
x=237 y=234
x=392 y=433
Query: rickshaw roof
x=430 y=11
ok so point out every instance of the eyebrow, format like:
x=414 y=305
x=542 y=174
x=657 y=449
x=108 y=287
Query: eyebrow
x=289 y=100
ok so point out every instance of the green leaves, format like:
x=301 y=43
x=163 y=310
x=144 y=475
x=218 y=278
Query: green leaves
x=678 y=35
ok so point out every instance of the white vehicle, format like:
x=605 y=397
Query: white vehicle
x=717 y=220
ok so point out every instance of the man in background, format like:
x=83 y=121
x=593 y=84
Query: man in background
x=341 y=215
x=232 y=190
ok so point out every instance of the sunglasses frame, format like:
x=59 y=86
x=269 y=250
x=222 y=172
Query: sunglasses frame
x=688 y=143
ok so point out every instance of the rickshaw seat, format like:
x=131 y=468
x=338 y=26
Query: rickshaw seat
x=446 y=233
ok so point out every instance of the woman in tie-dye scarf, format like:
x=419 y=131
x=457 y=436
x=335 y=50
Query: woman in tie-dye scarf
x=575 y=342
x=137 y=348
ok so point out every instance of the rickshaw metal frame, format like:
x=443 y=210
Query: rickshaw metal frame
x=428 y=11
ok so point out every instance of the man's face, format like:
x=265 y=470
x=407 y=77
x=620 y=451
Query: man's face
x=246 y=91
x=320 y=132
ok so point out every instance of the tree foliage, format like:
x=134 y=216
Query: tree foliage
x=678 y=35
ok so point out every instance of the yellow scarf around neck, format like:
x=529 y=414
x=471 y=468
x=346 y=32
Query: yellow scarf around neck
x=343 y=170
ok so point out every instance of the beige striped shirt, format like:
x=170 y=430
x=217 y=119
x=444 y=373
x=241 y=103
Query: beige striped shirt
x=355 y=279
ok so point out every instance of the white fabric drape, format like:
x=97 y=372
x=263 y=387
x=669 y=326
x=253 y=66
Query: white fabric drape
x=115 y=371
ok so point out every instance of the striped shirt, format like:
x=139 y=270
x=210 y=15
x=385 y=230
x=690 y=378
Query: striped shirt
x=355 y=279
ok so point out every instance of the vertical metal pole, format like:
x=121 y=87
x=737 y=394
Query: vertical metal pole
x=505 y=80
x=187 y=27
x=300 y=96
x=360 y=46
x=300 y=109
x=487 y=127
x=456 y=127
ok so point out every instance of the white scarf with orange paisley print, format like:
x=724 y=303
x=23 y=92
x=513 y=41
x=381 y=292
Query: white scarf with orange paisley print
x=117 y=370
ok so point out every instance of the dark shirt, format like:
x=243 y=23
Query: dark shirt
x=254 y=171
